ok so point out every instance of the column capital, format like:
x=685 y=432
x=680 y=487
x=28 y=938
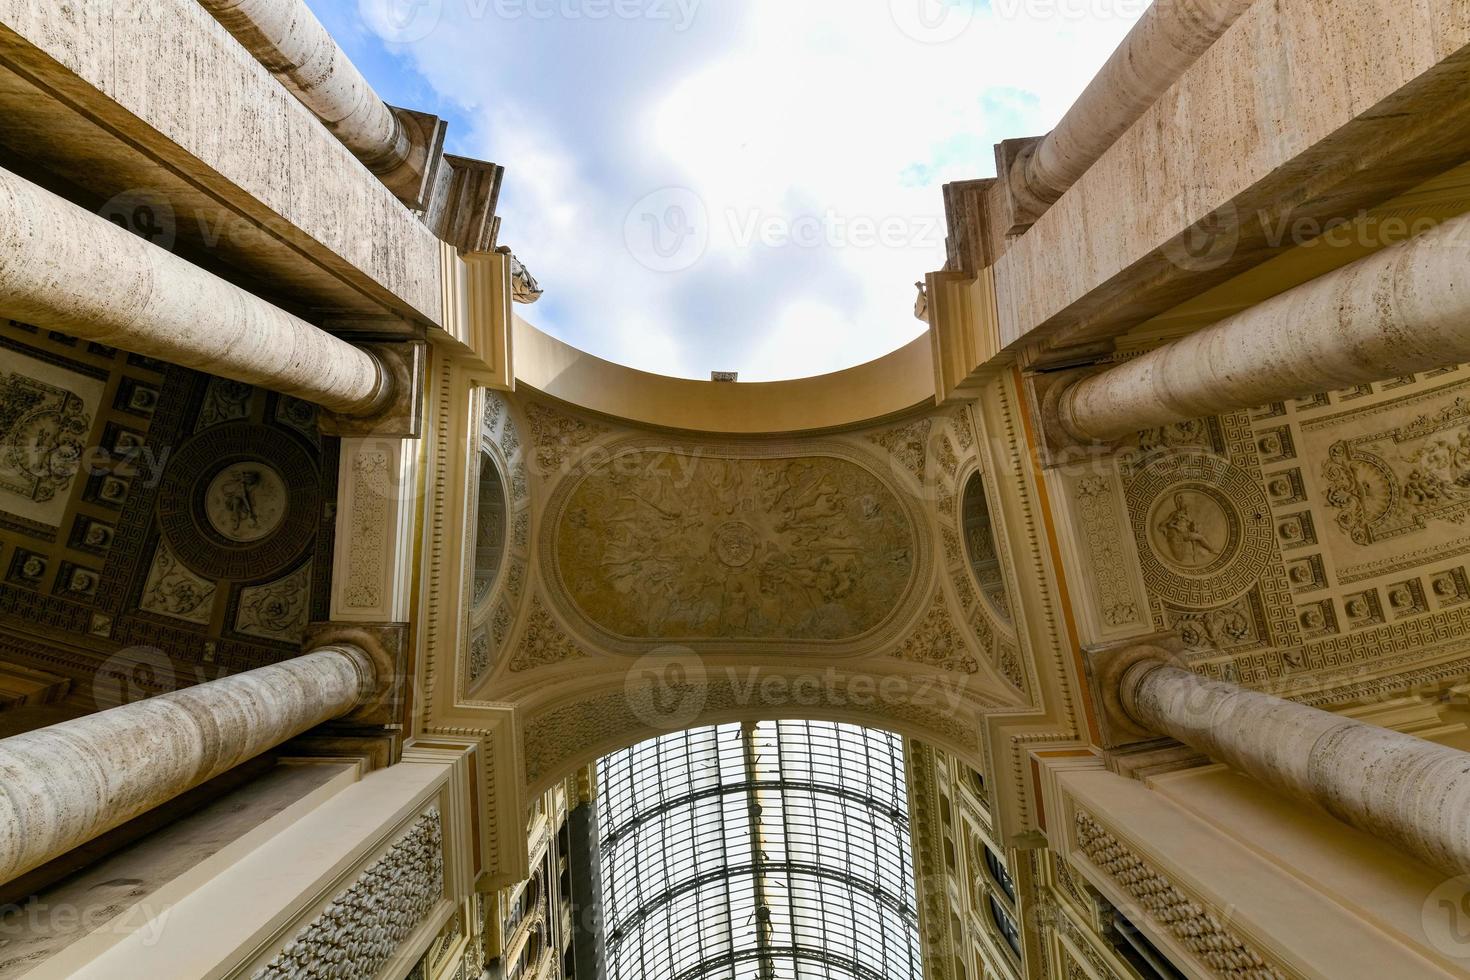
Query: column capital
x=380 y=651
x=1114 y=671
x=397 y=409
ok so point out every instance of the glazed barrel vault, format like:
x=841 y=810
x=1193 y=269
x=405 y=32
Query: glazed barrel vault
x=353 y=626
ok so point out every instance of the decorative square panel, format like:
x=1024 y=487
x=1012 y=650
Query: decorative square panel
x=1319 y=400
x=1351 y=394
x=1307 y=574
x=1450 y=588
x=1318 y=619
x=77 y=582
x=27 y=568
x=148 y=363
x=1275 y=410
x=1407 y=598
x=1286 y=488
x=1399 y=383
x=46 y=417
x=1364 y=609
x=1275 y=445
x=122 y=441
x=136 y=398
x=1296 y=531
x=91 y=535
x=107 y=489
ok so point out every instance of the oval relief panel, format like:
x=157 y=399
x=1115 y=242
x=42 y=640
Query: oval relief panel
x=657 y=545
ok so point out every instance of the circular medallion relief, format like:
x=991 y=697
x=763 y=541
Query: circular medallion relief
x=240 y=502
x=246 y=501
x=1202 y=526
x=1193 y=530
x=734 y=543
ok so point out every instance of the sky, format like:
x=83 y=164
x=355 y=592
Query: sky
x=731 y=185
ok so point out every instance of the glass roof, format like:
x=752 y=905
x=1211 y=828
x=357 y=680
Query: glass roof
x=777 y=851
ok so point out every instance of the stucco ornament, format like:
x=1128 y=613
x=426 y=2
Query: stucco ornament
x=668 y=545
x=359 y=931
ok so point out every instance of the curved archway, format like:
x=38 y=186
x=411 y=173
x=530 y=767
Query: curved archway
x=584 y=710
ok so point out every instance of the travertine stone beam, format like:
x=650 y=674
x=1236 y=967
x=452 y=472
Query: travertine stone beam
x=66 y=269
x=1170 y=37
x=1402 y=310
x=1401 y=789
x=64 y=785
x=286 y=37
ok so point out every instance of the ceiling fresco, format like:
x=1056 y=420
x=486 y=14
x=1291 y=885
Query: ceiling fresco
x=674 y=545
x=1316 y=536
x=153 y=514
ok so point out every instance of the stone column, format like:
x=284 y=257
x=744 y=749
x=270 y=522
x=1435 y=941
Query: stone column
x=1397 y=312
x=286 y=37
x=64 y=785
x=64 y=268
x=1170 y=37
x=1398 y=788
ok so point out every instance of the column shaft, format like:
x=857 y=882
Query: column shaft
x=66 y=269
x=1169 y=38
x=286 y=37
x=1407 y=791
x=1397 y=312
x=64 y=785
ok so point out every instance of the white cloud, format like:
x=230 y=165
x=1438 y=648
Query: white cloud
x=816 y=135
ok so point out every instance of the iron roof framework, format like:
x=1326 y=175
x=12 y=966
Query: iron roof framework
x=777 y=851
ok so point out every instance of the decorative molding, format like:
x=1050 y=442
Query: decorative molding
x=558 y=436
x=278 y=610
x=936 y=642
x=543 y=643
x=500 y=560
x=907 y=446
x=359 y=931
x=1103 y=534
x=1195 y=927
x=1081 y=942
x=377 y=507
x=366 y=521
